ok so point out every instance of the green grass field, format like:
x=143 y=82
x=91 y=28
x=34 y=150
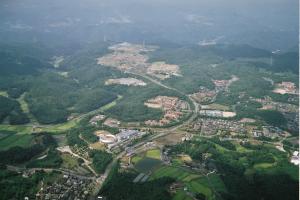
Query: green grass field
x=136 y=159
x=195 y=182
x=215 y=106
x=199 y=187
x=23 y=103
x=181 y=195
x=241 y=149
x=174 y=172
x=22 y=140
x=154 y=153
x=263 y=165
x=69 y=162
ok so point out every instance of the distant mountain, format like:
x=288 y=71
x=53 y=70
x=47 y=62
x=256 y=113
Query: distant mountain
x=269 y=24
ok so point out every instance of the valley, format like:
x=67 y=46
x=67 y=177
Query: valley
x=131 y=118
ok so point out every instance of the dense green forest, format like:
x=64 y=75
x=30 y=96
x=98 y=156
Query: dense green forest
x=10 y=108
x=100 y=160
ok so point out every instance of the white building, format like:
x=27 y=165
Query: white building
x=295 y=158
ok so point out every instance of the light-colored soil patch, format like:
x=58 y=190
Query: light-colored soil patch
x=101 y=132
x=217 y=113
x=133 y=58
x=163 y=70
x=229 y=114
x=185 y=158
x=125 y=81
x=247 y=120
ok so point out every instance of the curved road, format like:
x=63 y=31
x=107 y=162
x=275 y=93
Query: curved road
x=161 y=133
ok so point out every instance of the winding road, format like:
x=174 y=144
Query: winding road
x=160 y=133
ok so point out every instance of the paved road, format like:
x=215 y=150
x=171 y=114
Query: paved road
x=160 y=133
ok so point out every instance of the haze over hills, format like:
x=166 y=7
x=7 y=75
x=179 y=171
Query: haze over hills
x=149 y=100
x=271 y=24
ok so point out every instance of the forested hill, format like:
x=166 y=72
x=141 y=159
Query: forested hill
x=280 y=62
x=22 y=59
x=79 y=81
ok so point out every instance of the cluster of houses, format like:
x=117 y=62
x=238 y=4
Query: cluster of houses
x=172 y=107
x=69 y=187
x=212 y=126
x=97 y=118
x=112 y=122
x=269 y=131
x=286 y=88
x=107 y=121
x=163 y=70
x=269 y=104
x=204 y=95
x=125 y=56
x=221 y=85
